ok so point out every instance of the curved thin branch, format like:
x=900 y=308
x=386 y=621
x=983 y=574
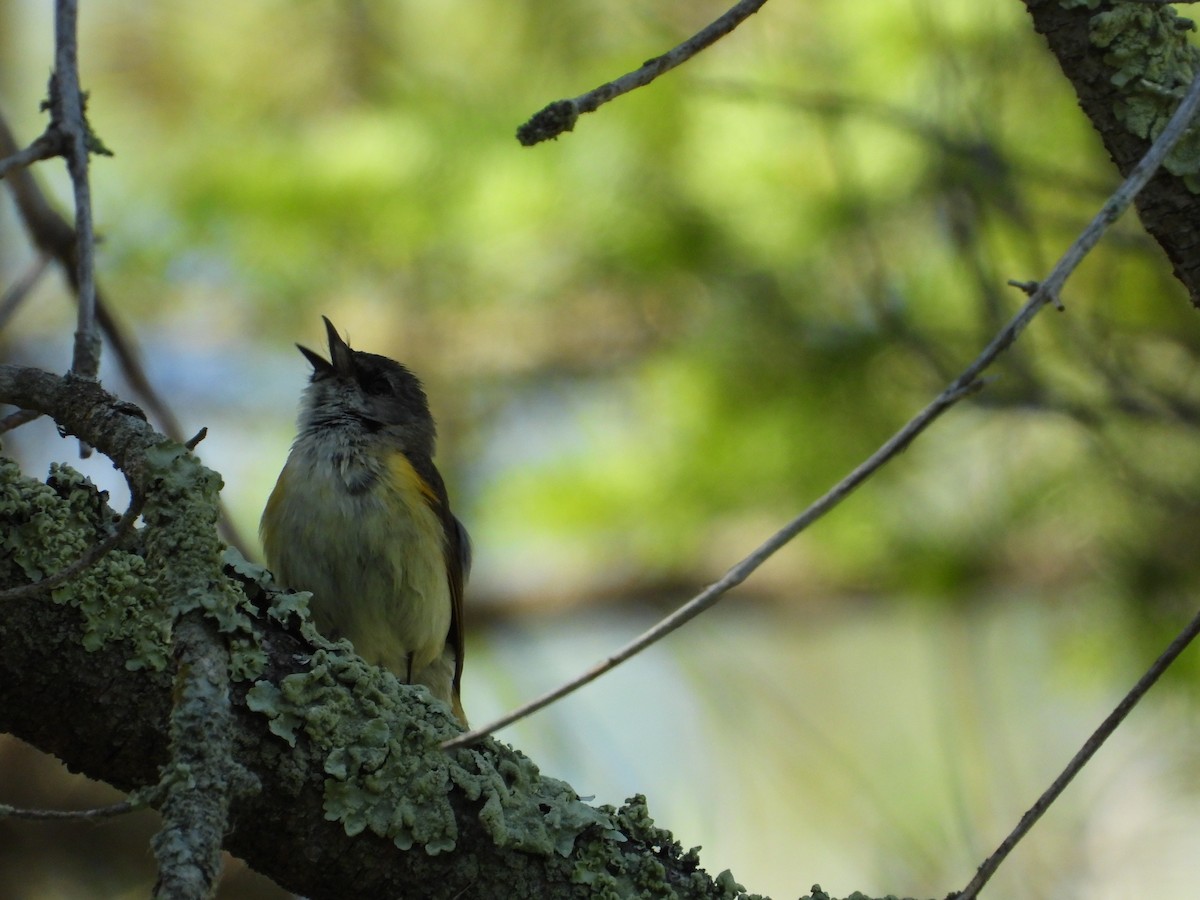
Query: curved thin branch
x=560 y=115
x=15 y=295
x=55 y=237
x=90 y=557
x=966 y=383
x=1079 y=760
x=46 y=146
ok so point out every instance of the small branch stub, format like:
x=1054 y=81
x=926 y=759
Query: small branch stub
x=548 y=123
x=560 y=115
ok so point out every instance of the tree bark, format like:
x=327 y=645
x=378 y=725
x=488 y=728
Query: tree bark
x=105 y=711
x=1108 y=83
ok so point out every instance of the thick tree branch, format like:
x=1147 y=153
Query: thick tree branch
x=322 y=735
x=1127 y=63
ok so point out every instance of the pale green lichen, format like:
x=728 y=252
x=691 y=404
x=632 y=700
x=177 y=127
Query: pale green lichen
x=651 y=863
x=46 y=527
x=384 y=773
x=259 y=592
x=376 y=744
x=818 y=894
x=181 y=513
x=1153 y=64
x=181 y=516
x=260 y=584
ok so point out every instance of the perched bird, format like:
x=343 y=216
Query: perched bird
x=359 y=517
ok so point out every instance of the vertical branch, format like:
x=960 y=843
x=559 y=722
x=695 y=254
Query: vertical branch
x=202 y=781
x=66 y=106
x=202 y=777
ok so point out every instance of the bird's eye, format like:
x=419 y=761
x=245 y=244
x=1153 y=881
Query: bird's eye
x=375 y=383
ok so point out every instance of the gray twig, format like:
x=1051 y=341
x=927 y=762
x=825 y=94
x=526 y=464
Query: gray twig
x=60 y=815
x=1116 y=204
x=46 y=146
x=1046 y=292
x=54 y=237
x=1080 y=759
x=17 y=419
x=560 y=115
x=21 y=288
x=66 y=101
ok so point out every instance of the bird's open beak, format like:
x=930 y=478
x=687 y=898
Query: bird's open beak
x=339 y=352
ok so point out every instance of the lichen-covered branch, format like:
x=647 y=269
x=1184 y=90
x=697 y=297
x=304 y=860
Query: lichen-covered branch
x=330 y=770
x=1129 y=64
x=203 y=776
x=56 y=239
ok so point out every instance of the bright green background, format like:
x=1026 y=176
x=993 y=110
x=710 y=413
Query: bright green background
x=652 y=342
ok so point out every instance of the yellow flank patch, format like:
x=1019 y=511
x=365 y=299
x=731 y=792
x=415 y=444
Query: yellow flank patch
x=406 y=480
x=271 y=513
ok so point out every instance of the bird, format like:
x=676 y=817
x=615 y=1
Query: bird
x=360 y=517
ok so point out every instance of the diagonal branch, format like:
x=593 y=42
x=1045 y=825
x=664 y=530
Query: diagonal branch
x=965 y=384
x=1143 y=171
x=1108 y=79
x=15 y=295
x=561 y=115
x=1110 y=724
x=46 y=146
x=329 y=821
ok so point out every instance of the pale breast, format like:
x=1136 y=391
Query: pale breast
x=372 y=557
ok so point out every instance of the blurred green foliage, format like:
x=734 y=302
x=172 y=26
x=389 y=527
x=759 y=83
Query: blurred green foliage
x=691 y=316
x=651 y=342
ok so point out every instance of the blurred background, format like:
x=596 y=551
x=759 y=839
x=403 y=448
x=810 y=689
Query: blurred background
x=650 y=343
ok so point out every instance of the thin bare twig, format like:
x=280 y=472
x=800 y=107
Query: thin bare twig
x=90 y=557
x=46 y=146
x=53 y=236
x=17 y=419
x=67 y=117
x=1139 y=176
x=60 y=815
x=194 y=441
x=21 y=288
x=1046 y=292
x=1080 y=759
x=561 y=115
